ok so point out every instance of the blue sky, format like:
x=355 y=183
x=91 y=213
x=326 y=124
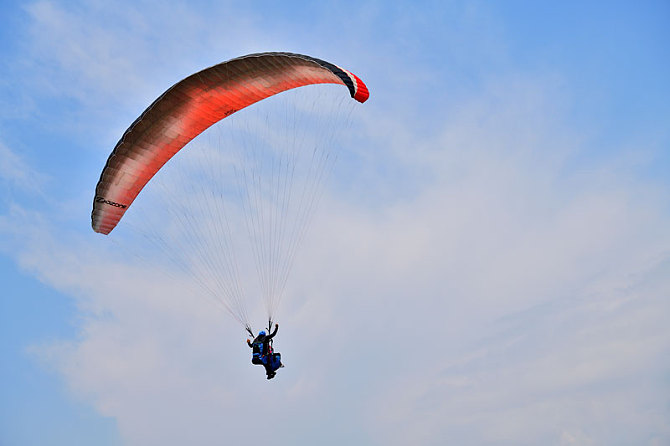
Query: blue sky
x=490 y=266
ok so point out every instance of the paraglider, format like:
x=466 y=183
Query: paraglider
x=277 y=210
x=263 y=353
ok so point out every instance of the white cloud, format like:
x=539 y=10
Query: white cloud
x=16 y=173
x=573 y=367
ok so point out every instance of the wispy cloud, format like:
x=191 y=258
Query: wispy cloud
x=536 y=376
x=17 y=174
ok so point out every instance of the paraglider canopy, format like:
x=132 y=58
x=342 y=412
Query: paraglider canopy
x=192 y=105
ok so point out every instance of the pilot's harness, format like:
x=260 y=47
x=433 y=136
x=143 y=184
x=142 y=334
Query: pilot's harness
x=270 y=341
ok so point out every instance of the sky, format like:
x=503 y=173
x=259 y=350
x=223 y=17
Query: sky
x=490 y=264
